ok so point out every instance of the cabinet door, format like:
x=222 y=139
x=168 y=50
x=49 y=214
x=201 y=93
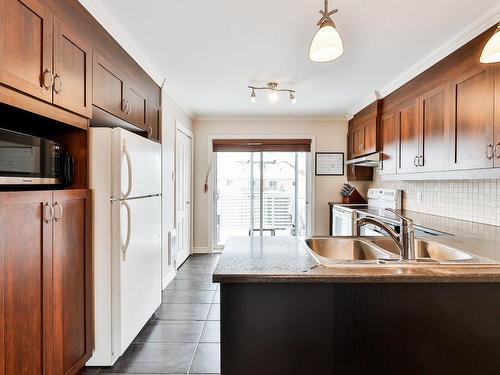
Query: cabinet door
x=389 y=144
x=473 y=95
x=108 y=88
x=370 y=137
x=434 y=119
x=27 y=283
x=358 y=141
x=137 y=106
x=154 y=122
x=26 y=47
x=72 y=281
x=409 y=137
x=72 y=70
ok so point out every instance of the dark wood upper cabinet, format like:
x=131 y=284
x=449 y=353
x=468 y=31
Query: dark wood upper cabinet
x=434 y=127
x=72 y=70
x=389 y=144
x=154 y=122
x=26 y=47
x=137 y=106
x=364 y=138
x=108 y=87
x=72 y=281
x=358 y=141
x=473 y=101
x=27 y=284
x=409 y=138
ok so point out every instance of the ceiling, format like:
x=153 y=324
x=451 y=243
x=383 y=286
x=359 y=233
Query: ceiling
x=210 y=51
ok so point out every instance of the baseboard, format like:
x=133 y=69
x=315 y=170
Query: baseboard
x=168 y=278
x=201 y=250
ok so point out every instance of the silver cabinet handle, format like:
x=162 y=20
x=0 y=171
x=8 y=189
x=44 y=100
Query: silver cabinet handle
x=497 y=152
x=150 y=131
x=129 y=108
x=124 y=106
x=421 y=161
x=415 y=161
x=61 y=84
x=47 y=212
x=488 y=155
x=48 y=76
x=58 y=211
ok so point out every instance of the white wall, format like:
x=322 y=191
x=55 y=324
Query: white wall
x=171 y=113
x=330 y=135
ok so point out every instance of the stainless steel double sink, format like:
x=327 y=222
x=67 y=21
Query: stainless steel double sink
x=334 y=251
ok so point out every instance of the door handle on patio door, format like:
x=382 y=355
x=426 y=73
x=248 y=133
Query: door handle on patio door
x=129 y=167
x=124 y=246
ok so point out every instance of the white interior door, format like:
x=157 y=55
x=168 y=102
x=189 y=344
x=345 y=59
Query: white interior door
x=183 y=194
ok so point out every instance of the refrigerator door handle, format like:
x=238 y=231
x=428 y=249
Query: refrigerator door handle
x=129 y=225
x=129 y=167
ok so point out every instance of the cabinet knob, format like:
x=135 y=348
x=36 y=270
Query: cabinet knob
x=490 y=151
x=497 y=150
x=415 y=161
x=47 y=212
x=58 y=87
x=47 y=79
x=58 y=211
x=421 y=161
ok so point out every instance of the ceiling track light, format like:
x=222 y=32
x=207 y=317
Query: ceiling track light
x=272 y=88
x=327 y=43
x=491 y=51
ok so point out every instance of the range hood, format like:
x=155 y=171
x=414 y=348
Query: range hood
x=371 y=160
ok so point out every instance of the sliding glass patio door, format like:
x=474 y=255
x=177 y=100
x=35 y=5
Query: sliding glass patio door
x=260 y=194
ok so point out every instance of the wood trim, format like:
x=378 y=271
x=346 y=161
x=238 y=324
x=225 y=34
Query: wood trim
x=258 y=145
x=30 y=104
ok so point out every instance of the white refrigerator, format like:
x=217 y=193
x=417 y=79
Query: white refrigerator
x=126 y=184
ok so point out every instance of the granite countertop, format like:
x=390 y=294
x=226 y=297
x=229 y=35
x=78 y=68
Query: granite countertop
x=286 y=259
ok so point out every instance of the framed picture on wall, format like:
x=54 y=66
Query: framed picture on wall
x=329 y=164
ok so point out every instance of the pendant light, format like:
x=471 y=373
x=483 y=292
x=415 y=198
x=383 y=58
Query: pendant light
x=327 y=44
x=491 y=51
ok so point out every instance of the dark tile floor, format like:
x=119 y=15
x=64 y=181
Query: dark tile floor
x=183 y=337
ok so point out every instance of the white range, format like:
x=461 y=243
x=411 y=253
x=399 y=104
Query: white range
x=126 y=184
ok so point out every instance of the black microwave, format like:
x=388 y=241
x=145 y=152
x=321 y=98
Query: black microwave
x=29 y=160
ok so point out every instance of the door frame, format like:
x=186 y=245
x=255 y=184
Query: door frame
x=213 y=180
x=181 y=128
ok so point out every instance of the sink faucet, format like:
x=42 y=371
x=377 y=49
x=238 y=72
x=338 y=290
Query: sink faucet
x=404 y=240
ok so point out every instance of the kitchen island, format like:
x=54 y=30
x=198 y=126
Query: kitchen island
x=283 y=313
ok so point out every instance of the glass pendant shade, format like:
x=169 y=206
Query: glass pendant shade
x=326 y=45
x=491 y=51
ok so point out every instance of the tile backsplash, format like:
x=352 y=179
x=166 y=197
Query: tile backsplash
x=472 y=200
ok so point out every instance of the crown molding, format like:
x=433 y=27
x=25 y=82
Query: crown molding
x=110 y=24
x=474 y=29
x=272 y=119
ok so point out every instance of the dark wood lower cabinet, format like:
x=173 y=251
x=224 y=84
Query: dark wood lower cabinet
x=45 y=265
x=72 y=277
x=413 y=328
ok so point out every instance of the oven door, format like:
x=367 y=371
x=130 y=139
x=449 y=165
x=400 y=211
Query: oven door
x=27 y=160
